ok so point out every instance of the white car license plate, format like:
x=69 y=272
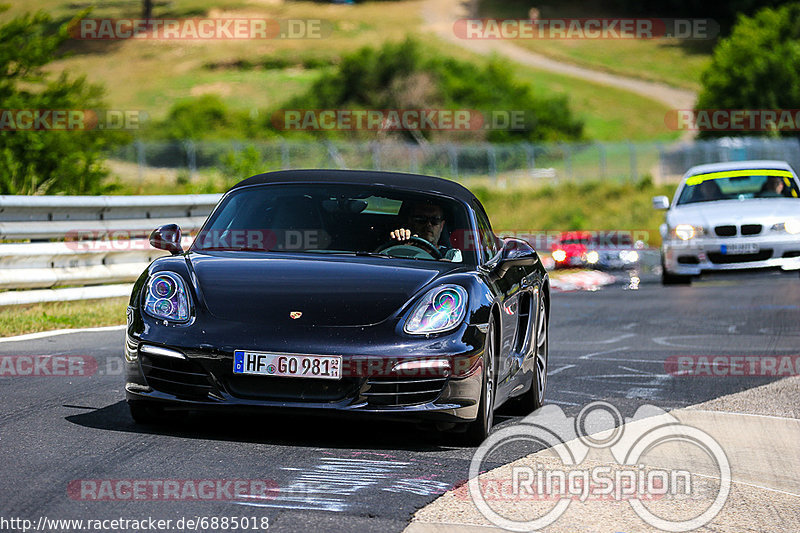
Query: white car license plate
x=287 y=365
x=740 y=248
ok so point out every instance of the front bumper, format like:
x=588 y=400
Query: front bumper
x=710 y=254
x=204 y=381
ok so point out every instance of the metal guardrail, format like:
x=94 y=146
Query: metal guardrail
x=90 y=240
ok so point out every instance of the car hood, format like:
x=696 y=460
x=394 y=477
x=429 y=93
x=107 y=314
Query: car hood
x=757 y=211
x=246 y=287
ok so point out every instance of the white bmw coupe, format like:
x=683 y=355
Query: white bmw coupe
x=728 y=216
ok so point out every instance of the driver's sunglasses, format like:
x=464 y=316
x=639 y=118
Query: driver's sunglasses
x=422 y=219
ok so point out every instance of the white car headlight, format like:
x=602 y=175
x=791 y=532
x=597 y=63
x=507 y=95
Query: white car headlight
x=592 y=257
x=686 y=231
x=791 y=226
x=440 y=309
x=559 y=255
x=166 y=297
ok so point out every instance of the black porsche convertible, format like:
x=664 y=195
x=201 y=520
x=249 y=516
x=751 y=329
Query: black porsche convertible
x=338 y=291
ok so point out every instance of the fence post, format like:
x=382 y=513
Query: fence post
x=531 y=153
x=567 y=149
x=634 y=169
x=286 y=162
x=413 y=156
x=451 y=150
x=191 y=158
x=376 y=155
x=140 y=159
x=603 y=169
x=492 y=159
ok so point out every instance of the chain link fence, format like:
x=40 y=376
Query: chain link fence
x=516 y=164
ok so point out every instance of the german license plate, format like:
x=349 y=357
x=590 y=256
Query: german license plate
x=740 y=248
x=287 y=365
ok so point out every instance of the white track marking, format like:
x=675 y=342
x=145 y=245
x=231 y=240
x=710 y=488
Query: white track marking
x=590 y=355
x=607 y=341
x=43 y=334
x=556 y=371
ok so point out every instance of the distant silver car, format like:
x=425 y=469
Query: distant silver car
x=727 y=216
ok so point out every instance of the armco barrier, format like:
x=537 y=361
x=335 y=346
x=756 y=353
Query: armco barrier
x=85 y=240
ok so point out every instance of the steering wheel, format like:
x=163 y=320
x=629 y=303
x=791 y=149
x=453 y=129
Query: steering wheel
x=415 y=242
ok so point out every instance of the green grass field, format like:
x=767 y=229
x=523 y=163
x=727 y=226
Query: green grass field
x=671 y=61
x=19 y=319
x=152 y=75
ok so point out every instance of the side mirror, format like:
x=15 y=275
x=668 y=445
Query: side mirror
x=515 y=253
x=660 y=202
x=167 y=237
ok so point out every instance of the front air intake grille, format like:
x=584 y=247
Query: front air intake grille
x=384 y=392
x=179 y=377
x=791 y=253
x=290 y=389
x=688 y=260
x=751 y=229
x=725 y=231
x=726 y=259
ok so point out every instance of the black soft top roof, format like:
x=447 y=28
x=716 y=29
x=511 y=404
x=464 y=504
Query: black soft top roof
x=397 y=180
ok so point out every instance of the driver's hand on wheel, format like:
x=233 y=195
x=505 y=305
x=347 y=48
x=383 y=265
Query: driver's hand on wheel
x=401 y=234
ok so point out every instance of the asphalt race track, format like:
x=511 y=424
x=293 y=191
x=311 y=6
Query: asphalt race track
x=346 y=475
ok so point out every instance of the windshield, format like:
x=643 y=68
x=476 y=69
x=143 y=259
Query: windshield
x=738 y=185
x=339 y=219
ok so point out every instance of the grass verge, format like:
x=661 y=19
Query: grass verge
x=151 y=76
x=668 y=61
x=21 y=319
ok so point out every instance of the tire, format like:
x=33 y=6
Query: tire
x=533 y=398
x=667 y=278
x=146 y=414
x=479 y=429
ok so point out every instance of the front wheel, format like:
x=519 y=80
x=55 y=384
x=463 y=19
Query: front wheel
x=533 y=399
x=479 y=429
x=668 y=278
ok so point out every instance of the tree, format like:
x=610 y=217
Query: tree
x=36 y=159
x=401 y=76
x=758 y=66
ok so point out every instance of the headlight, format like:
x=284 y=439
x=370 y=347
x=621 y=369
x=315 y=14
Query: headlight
x=686 y=231
x=791 y=227
x=167 y=297
x=629 y=256
x=440 y=309
x=592 y=257
x=559 y=255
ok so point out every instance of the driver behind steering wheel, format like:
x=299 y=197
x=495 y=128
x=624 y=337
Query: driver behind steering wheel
x=425 y=219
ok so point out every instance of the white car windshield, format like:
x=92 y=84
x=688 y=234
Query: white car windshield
x=738 y=185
